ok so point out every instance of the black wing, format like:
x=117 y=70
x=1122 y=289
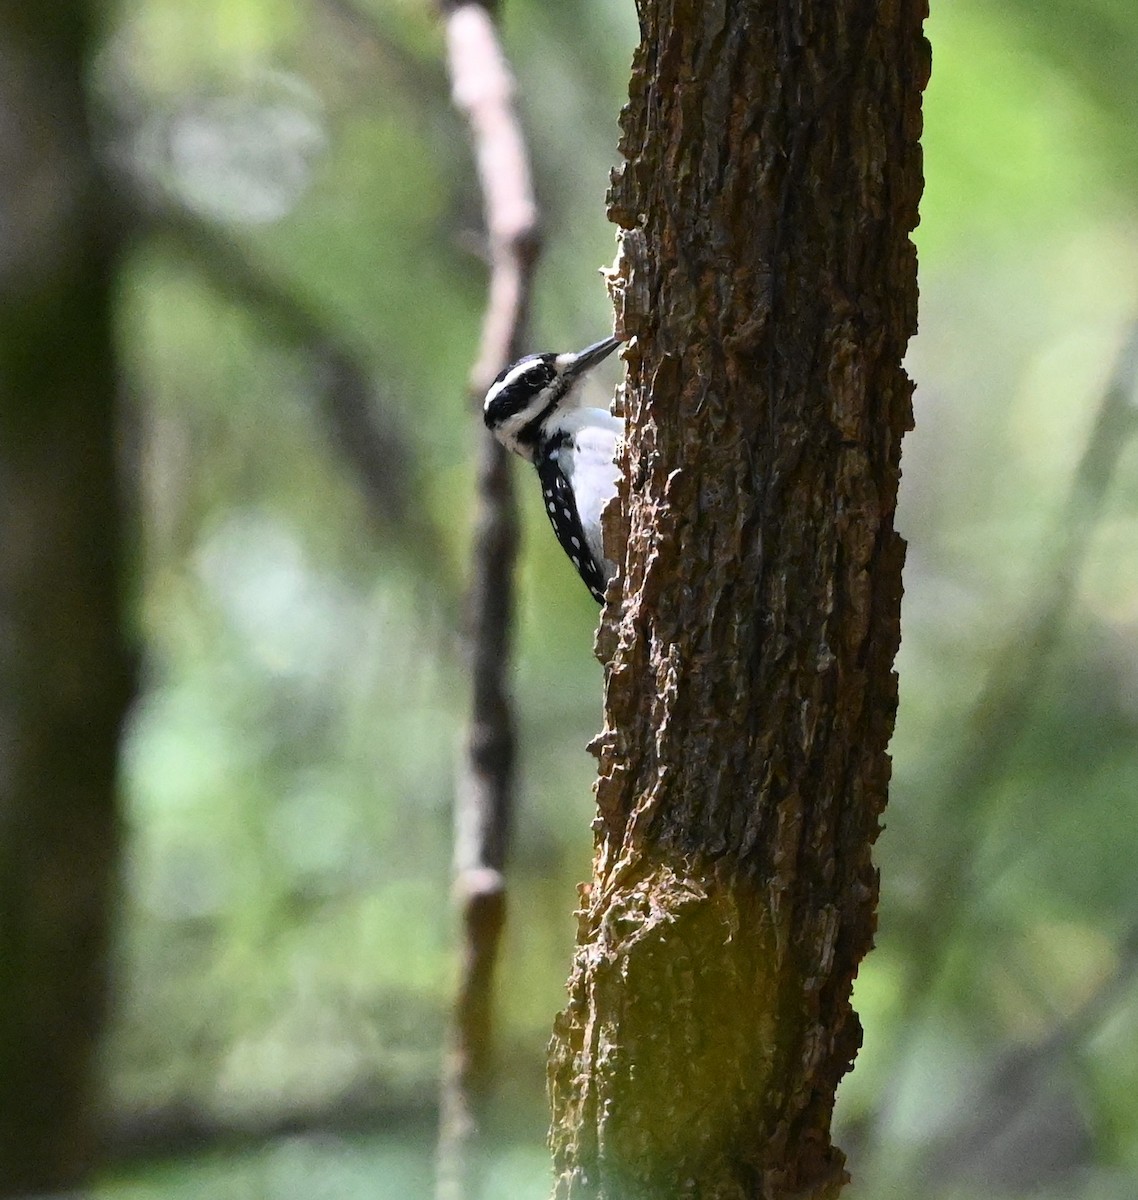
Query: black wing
x=561 y=508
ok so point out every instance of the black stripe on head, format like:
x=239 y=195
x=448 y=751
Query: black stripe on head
x=517 y=387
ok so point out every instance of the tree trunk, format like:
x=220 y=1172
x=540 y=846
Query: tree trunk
x=767 y=287
x=65 y=676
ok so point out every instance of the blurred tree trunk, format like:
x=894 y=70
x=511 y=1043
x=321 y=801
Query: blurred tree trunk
x=65 y=677
x=767 y=286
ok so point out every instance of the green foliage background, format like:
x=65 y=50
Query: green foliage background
x=287 y=937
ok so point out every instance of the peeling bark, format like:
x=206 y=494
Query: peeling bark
x=766 y=285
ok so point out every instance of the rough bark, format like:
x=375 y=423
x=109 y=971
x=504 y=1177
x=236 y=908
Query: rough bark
x=65 y=675
x=766 y=285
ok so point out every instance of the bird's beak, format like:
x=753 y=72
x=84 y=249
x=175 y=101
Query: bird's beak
x=577 y=364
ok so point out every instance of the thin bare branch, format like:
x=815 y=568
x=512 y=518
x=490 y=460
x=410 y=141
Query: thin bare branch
x=1004 y=705
x=364 y=430
x=483 y=90
x=394 y=68
x=184 y=1126
x=1002 y=711
x=987 y=1146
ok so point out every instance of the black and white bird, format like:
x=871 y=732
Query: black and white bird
x=534 y=409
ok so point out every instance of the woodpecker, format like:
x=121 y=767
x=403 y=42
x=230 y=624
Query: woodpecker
x=534 y=409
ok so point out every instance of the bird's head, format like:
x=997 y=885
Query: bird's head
x=527 y=393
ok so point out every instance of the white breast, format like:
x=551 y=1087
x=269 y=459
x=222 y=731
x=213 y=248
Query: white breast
x=587 y=461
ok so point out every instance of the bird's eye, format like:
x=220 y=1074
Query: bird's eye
x=539 y=375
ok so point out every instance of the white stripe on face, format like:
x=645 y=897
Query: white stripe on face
x=511 y=376
x=516 y=400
